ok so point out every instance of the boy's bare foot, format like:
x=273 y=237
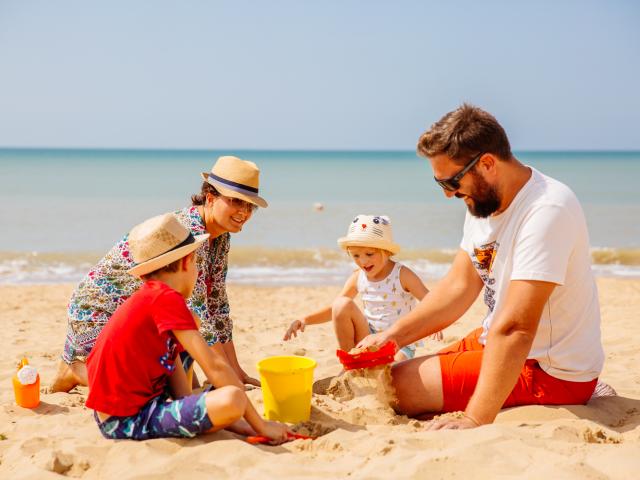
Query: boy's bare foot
x=68 y=376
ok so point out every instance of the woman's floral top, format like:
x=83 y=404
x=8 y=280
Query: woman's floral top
x=108 y=285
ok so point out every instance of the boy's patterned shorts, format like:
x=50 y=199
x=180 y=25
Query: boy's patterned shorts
x=160 y=417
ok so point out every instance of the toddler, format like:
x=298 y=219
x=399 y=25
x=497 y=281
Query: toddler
x=388 y=289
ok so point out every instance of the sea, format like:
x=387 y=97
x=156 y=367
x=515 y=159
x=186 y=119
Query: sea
x=62 y=209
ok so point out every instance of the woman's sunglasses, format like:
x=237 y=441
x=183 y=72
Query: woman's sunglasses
x=240 y=204
x=453 y=183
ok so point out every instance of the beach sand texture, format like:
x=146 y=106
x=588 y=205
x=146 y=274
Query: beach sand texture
x=360 y=436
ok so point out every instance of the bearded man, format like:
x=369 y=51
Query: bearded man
x=525 y=243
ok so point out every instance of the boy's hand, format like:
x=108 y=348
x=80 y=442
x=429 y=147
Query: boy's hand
x=296 y=325
x=276 y=431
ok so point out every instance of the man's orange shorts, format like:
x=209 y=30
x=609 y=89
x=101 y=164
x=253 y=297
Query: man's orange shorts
x=460 y=367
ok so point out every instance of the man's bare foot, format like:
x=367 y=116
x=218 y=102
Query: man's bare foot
x=68 y=376
x=603 y=390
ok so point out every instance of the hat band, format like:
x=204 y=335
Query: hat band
x=187 y=241
x=236 y=187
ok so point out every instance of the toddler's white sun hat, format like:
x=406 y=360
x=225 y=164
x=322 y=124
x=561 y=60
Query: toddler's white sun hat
x=159 y=241
x=370 y=231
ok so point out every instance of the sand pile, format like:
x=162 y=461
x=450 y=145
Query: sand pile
x=361 y=397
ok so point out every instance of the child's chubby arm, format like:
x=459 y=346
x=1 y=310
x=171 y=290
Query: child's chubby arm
x=324 y=314
x=219 y=373
x=413 y=284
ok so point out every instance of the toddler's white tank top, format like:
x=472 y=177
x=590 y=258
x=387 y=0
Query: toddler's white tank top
x=384 y=301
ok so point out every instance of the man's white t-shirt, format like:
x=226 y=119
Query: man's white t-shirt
x=543 y=236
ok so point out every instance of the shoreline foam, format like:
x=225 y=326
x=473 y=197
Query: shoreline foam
x=281 y=267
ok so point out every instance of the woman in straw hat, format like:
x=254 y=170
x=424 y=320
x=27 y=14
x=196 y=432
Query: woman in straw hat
x=227 y=200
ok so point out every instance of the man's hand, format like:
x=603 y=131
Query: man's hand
x=452 y=422
x=295 y=327
x=375 y=339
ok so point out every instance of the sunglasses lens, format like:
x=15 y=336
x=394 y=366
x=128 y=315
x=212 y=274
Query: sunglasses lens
x=448 y=185
x=246 y=205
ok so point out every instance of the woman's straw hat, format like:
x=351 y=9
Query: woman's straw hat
x=237 y=178
x=370 y=231
x=157 y=242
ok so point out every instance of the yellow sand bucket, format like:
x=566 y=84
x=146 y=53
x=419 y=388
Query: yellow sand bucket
x=286 y=387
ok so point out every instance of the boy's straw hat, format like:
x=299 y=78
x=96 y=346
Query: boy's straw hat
x=237 y=178
x=159 y=241
x=370 y=231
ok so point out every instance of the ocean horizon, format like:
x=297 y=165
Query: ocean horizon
x=62 y=209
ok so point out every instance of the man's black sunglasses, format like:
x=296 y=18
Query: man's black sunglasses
x=453 y=183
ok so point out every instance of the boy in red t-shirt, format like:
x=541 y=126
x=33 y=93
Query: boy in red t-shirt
x=137 y=386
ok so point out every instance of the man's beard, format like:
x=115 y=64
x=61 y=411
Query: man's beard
x=485 y=197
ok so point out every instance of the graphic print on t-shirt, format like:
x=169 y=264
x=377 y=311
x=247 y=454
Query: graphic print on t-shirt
x=167 y=360
x=483 y=257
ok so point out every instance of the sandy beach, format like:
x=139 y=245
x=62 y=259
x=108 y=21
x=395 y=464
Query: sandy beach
x=360 y=437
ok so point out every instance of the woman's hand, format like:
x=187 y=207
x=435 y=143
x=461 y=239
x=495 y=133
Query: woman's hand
x=295 y=327
x=247 y=380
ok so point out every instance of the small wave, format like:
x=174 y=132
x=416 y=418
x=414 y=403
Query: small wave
x=35 y=267
x=616 y=256
x=265 y=266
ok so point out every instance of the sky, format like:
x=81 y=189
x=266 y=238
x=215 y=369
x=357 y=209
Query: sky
x=306 y=75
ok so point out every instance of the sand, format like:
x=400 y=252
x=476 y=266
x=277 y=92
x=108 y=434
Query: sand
x=360 y=436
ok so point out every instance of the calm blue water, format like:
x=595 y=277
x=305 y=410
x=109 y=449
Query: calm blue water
x=69 y=201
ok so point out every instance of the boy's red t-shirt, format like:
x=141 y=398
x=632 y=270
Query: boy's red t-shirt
x=135 y=352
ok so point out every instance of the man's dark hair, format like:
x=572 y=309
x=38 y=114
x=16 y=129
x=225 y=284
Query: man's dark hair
x=463 y=133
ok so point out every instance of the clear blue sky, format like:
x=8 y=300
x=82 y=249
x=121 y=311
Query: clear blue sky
x=315 y=74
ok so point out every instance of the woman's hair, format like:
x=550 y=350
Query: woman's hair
x=465 y=132
x=201 y=198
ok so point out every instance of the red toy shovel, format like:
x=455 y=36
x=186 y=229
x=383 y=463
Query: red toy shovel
x=291 y=436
